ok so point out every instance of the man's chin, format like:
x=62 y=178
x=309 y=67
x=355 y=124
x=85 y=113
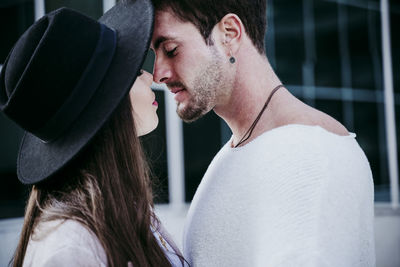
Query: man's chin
x=188 y=114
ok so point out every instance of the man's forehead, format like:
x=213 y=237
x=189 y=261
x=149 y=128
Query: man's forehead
x=158 y=40
x=170 y=30
x=168 y=27
x=164 y=26
x=166 y=15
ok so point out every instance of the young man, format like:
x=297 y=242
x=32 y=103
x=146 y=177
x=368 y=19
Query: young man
x=292 y=187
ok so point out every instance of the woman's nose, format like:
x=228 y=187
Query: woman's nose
x=148 y=77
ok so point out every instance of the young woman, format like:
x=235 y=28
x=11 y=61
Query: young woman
x=68 y=83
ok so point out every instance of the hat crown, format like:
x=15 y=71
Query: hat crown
x=45 y=66
x=66 y=76
x=29 y=41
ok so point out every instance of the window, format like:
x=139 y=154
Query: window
x=328 y=53
x=92 y=8
x=15 y=18
x=336 y=45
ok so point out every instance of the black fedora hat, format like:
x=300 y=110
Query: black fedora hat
x=66 y=75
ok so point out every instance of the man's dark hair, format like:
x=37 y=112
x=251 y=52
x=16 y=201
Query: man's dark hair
x=205 y=14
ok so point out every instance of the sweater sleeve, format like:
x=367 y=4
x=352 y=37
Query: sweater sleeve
x=325 y=203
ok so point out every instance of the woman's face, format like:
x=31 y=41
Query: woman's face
x=144 y=104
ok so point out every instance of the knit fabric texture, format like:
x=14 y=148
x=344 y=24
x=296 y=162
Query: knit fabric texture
x=294 y=196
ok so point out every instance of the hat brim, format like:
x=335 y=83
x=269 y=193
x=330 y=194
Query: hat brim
x=133 y=23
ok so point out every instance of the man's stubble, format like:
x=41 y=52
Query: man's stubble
x=207 y=86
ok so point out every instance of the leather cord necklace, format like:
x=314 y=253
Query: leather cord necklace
x=247 y=135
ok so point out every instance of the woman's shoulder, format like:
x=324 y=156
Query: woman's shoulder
x=64 y=243
x=62 y=232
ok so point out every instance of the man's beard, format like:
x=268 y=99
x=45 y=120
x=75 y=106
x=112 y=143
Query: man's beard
x=204 y=93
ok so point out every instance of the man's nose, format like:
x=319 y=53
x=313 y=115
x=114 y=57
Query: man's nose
x=162 y=71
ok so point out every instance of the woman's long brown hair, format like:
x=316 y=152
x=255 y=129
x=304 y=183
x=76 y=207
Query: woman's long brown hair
x=107 y=189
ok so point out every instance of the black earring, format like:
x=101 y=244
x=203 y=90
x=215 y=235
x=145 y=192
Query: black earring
x=232 y=59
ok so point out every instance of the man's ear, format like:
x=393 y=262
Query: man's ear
x=231 y=28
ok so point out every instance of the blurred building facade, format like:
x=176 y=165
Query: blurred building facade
x=328 y=53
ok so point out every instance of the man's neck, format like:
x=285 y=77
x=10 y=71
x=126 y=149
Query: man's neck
x=254 y=82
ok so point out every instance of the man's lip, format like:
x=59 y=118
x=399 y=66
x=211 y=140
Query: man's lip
x=176 y=90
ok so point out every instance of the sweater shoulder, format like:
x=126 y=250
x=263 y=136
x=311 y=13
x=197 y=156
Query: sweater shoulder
x=64 y=239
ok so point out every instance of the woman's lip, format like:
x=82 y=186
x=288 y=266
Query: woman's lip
x=155 y=103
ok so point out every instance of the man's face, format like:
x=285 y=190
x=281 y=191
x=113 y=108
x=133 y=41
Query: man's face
x=191 y=69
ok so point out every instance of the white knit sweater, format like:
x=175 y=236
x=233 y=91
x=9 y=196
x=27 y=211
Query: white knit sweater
x=295 y=196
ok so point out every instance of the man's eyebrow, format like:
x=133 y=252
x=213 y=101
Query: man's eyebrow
x=160 y=40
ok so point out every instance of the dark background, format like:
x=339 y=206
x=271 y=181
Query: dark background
x=327 y=53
